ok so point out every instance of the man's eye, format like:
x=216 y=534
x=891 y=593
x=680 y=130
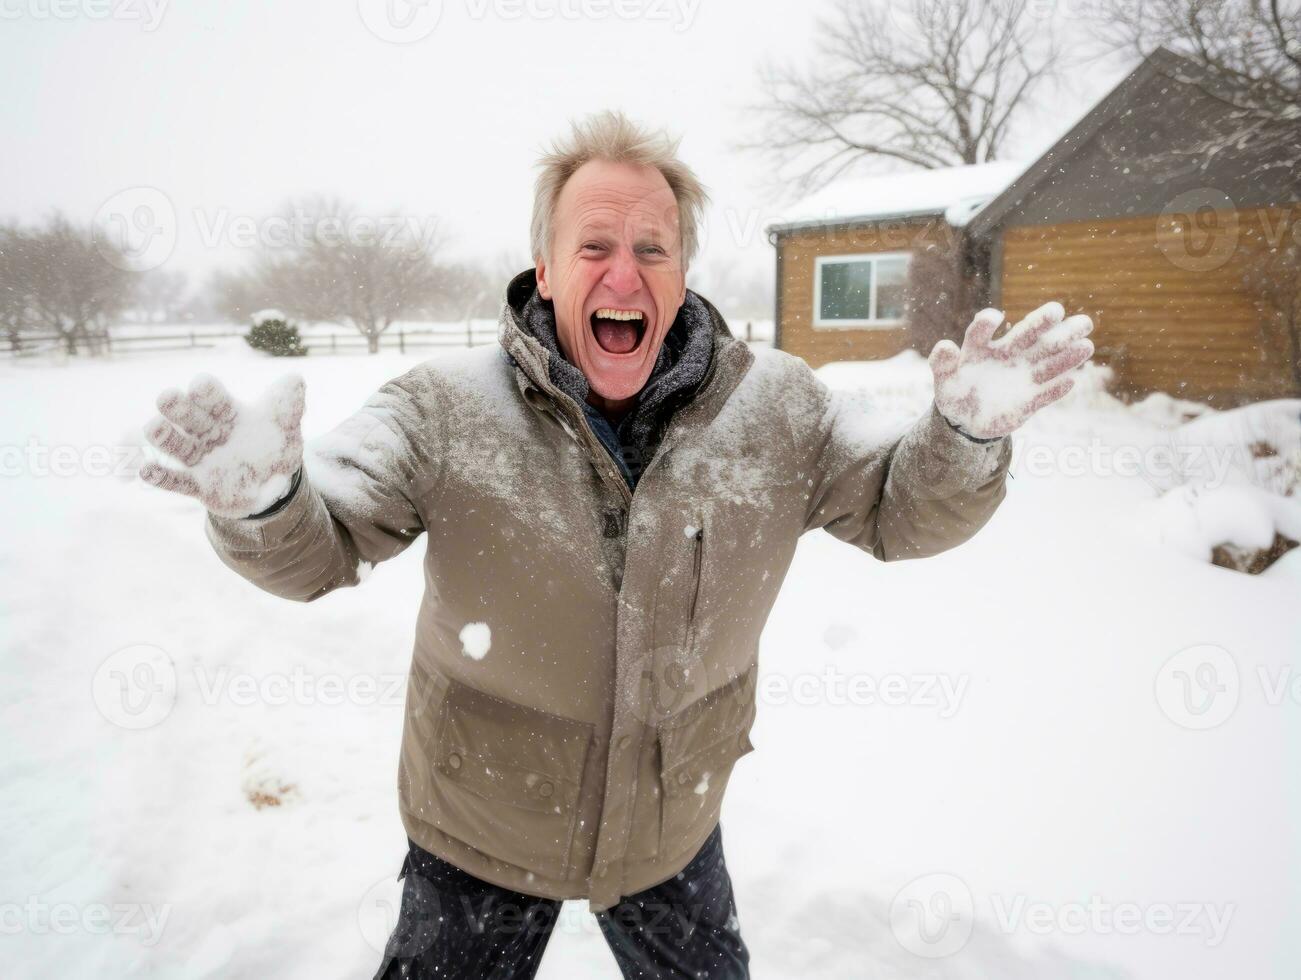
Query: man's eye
x=593 y=247
x=653 y=250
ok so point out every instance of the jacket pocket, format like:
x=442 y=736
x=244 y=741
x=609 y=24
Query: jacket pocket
x=506 y=779
x=698 y=749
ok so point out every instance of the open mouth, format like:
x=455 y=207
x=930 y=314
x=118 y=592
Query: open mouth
x=618 y=331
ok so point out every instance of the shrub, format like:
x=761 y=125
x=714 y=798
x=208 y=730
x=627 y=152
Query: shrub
x=275 y=335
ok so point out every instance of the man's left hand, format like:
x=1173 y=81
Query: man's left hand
x=990 y=387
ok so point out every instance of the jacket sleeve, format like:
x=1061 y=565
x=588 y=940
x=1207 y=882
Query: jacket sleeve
x=901 y=495
x=355 y=502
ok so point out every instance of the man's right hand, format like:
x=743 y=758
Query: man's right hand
x=237 y=459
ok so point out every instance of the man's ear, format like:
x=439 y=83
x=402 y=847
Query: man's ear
x=544 y=287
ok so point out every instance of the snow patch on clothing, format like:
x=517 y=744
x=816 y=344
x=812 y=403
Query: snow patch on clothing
x=476 y=640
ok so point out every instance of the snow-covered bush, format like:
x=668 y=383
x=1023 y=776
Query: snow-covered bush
x=1238 y=498
x=273 y=333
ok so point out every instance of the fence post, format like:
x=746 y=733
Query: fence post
x=192 y=343
x=402 y=341
x=749 y=332
x=333 y=346
x=469 y=332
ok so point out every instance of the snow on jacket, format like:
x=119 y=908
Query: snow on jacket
x=585 y=662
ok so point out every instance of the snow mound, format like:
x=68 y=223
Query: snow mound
x=1195 y=520
x=266 y=316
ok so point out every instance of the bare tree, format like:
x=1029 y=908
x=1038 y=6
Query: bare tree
x=160 y=293
x=67 y=282
x=14 y=285
x=928 y=83
x=1249 y=53
x=348 y=268
x=739 y=293
x=947 y=280
x=235 y=295
x=1273 y=280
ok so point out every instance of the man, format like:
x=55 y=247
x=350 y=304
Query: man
x=611 y=500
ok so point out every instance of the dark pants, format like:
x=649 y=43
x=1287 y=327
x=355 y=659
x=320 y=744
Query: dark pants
x=452 y=925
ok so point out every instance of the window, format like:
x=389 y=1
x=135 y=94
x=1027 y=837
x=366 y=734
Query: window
x=859 y=290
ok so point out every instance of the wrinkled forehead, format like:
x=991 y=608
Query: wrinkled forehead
x=617 y=199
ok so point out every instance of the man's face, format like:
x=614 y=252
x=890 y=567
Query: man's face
x=615 y=275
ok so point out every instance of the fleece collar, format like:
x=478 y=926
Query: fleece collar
x=680 y=366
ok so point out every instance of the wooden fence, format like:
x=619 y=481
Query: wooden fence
x=400 y=339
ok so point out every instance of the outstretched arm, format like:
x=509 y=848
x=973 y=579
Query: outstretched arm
x=312 y=525
x=932 y=487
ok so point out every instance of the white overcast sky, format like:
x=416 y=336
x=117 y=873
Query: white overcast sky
x=231 y=108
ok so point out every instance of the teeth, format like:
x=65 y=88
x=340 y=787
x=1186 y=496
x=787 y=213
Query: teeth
x=606 y=313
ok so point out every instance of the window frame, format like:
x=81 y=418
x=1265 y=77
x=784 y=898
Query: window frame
x=860 y=324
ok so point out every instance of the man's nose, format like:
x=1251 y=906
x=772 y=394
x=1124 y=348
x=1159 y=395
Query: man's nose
x=622 y=275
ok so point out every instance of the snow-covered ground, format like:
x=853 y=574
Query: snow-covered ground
x=1069 y=748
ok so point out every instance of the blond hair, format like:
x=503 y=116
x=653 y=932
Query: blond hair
x=613 y=137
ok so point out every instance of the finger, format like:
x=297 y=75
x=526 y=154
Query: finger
x=1050 y=394
x=1071 y=357
x=1077 y=327
x=171 y=440
x=288 y=397
x=1069 y=331
x=983 y=327
x=166 y=478
x=179 y=409
x=1028 y=331
x=944 y=359
x=211 y=396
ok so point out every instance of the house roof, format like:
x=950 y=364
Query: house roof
x=1160 y=62
x=955 y=192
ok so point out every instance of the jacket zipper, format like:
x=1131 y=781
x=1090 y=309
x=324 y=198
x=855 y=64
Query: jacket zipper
x=696 y=558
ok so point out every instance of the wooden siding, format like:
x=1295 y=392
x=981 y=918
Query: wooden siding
x=818 y=345
x=1169 y=304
